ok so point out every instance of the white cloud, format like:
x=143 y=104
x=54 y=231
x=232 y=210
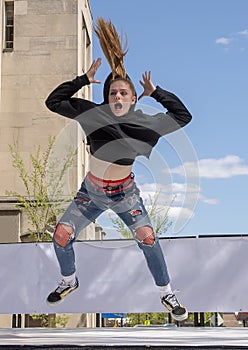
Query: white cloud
x=181 y=198
x=180 y=212
x=223 y=41
x=211 y=168
x=178 y=193
x=210 y=201
x=235 y=38
x=244 y=32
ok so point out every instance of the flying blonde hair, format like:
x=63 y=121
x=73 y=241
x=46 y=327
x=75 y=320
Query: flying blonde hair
x=112 y=46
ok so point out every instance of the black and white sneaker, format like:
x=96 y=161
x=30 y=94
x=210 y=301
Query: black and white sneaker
x=61 y=292
x=177 y=311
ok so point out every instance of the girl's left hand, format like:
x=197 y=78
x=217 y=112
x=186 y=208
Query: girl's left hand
x=92 y=71
x=147 y=85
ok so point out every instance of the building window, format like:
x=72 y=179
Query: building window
x=85 y=45
x=86 y=55
x=9 y=26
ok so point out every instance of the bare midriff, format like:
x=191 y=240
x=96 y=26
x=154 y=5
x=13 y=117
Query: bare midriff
x=108 y=171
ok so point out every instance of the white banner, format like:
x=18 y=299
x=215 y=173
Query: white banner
x=210 y=274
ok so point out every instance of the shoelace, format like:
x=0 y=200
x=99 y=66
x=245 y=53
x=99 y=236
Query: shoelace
x=171 y=298
x=62 y=286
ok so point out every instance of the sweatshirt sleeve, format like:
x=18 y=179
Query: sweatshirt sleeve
x=177 y=115
x=61 y=101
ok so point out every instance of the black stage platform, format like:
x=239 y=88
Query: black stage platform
x=124 y=338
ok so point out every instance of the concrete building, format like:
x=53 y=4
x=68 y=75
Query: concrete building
x=43 y=44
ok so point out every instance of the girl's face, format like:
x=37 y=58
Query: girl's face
x=120 y=97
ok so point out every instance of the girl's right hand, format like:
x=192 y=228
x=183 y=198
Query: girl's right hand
x=147 y=84
x=92 y=71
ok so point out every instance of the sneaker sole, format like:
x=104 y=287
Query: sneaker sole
x=55 y=303
x=180 y=317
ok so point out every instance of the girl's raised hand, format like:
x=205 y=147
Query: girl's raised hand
x=92 y=71
x=147 y=84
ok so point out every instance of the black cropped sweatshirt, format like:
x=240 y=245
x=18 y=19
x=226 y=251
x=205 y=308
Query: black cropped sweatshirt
x=116 y=139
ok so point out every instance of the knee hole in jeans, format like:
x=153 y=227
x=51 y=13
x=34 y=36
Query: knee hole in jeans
x=63 y=234
x=145 y=235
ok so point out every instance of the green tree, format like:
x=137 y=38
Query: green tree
x=43 y=198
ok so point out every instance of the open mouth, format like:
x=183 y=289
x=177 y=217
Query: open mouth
x=118 y=106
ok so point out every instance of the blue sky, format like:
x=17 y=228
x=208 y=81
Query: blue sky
x=199 y=51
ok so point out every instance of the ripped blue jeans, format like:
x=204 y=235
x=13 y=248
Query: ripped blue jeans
x=88 y=204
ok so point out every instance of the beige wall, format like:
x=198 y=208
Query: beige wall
x=49 y=47
x=46 y=52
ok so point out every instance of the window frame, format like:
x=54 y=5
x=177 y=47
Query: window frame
x=8 y=32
